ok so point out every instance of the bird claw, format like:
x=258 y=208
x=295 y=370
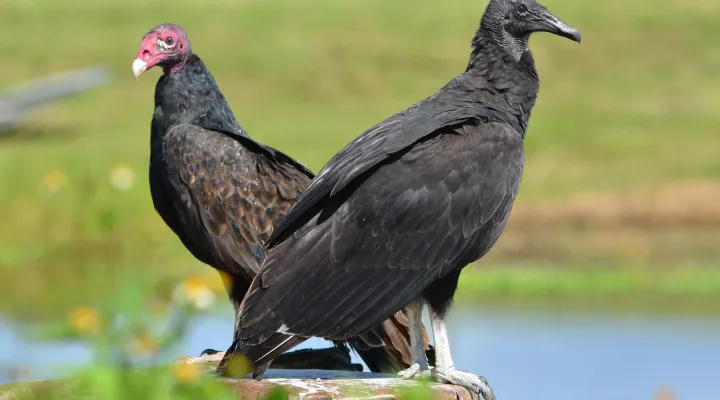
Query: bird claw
x=416 y=371
x=472 y=382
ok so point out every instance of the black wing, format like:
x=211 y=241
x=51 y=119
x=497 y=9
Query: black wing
x=364 y=254
x=230 y=195
x=372 y=147
x=454 y=104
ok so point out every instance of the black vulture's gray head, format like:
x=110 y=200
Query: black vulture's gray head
x=512 y=21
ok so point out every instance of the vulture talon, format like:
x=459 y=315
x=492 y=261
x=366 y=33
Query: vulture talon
x=416 y=371
x=474 y=383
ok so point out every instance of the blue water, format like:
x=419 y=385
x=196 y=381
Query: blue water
x=523 y=354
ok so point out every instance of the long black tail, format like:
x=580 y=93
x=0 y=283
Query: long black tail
x=386 y=348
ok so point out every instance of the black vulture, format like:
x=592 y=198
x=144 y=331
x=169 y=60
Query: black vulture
x=394 y=217
x=221 y=192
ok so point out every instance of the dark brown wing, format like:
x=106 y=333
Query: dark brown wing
x=365 y=252
x=229 y=197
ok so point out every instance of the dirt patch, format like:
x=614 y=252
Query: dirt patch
x=683 y=204
x=672 y=225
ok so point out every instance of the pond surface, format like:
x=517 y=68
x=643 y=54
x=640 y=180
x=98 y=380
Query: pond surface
x=524 y=354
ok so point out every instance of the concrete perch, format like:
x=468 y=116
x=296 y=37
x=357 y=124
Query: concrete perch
x=323 y=384
x=320 y=384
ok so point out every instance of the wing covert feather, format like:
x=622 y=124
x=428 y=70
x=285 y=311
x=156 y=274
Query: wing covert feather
x=237 y=194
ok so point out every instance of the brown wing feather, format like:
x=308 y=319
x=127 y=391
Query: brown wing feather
x=234 y=193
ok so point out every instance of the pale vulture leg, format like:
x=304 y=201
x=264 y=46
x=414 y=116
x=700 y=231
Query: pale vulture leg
x=445 y=371
x=418 y=363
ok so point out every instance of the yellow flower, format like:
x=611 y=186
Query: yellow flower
x=238 y=366
x=144 y=345
x=186 y=373
x=122 y=177
x=85 y=320
x=210 y=278
x=53 y=180
x=197 y=292
x=226 y=279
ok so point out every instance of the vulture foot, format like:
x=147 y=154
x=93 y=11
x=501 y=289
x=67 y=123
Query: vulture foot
x=472 y=382
x=416 y=372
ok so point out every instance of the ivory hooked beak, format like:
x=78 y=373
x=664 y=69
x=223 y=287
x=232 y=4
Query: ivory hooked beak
x=139 y=66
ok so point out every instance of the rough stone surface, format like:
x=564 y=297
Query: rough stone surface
x=321 y=384
x=317 y=384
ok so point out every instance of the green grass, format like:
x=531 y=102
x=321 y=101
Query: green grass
x=635 y=104
x=629 y=289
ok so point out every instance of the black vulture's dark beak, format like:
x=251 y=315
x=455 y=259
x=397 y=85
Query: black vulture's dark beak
x=552 y=24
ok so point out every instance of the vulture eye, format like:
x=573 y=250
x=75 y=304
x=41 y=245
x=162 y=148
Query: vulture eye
x=169 y=40
x=521 y=9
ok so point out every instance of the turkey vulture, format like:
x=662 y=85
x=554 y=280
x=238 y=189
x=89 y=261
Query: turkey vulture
x=394 y=217
x=220 y=191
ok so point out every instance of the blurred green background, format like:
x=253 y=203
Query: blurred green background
x=619 y=200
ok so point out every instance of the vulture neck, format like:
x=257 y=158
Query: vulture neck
x=190 y=95
x=511 y=75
